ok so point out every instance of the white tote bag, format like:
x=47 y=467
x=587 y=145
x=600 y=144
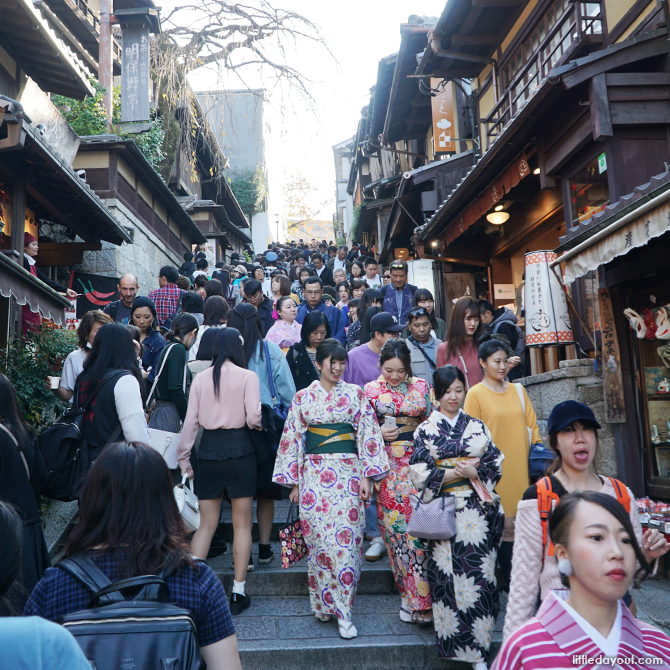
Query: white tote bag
x=187 y=503
x=163 y=441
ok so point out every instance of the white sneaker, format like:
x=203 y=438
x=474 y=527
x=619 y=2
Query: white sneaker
x=346 y=629
x=376 y=550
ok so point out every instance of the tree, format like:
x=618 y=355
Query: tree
x=242 y=37
x=302 y=205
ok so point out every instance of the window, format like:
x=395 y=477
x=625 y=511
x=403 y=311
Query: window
x=589 y=192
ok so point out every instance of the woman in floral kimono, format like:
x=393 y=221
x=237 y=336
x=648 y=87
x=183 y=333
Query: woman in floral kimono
x=454 y=456
x=330 y=449
x=409 y=400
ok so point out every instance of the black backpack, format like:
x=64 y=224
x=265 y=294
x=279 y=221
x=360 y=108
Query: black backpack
x=65 y=451
x=144 y=632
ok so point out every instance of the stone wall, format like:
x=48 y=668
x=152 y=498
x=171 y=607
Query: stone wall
x=144 y=258
x=574 y=380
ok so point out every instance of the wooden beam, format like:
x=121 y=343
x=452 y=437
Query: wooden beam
x=636 y=113
x=570 y=145
x=600 y=107
x=19 y=215
x=54 y=254
x=479 y=39
x=496 y=3
x=657 y=46
x=637 y=78
x=57 y=214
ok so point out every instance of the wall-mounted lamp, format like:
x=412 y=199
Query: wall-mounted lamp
x=497 y=218
x=434 y=244
x=499 y=208
x=536 y=171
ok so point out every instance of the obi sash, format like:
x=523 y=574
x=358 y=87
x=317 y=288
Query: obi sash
x=331 y=438
x=406 y=426
x=459 y=485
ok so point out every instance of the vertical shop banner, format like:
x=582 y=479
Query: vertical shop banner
x=95 y=291
x=546 y=307
x=444 y=117
x=612 y=379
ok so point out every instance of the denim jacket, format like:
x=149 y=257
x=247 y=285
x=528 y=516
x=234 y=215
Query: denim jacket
x=281 y=374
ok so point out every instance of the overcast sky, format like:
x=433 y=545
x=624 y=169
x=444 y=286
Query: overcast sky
x=359 y=33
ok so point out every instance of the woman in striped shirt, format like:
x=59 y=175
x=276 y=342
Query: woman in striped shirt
x=588 y=626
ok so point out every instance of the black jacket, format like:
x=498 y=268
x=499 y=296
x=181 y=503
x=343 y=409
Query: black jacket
x=41 y=276
x=265 y=310
x=326 y=276
x=302 y=368
x=187 y=269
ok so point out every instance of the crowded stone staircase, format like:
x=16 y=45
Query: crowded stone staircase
x=280 y=632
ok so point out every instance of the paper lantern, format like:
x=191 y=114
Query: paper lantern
x=546 y=307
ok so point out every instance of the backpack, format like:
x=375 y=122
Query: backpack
x=545 y=497
x=168 y=322
x=65 y=451
x=144 y=632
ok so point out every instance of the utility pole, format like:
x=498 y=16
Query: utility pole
x=105 y=75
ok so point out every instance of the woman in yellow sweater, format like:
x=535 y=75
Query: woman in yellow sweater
x=508 y=413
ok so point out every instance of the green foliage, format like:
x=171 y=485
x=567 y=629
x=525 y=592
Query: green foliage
x=88 y=117
x=356 y=221
x=249 y=188
x=340 y=242
x=29 y=361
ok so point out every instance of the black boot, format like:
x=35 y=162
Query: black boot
x=218 y=545
x=265 y=553
x=505 y=565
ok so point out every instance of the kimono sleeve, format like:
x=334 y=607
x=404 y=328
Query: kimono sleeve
x=291 y=451
x=371 y=450
x=422 y=468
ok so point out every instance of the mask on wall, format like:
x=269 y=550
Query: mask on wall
x=650 y=323
x=636 y=322
x=663 y=323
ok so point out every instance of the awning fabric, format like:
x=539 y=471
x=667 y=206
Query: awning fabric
x=619 y=242
x=26 y=289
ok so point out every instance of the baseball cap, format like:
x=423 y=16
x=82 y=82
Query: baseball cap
x=385 y=322
x=567 y=412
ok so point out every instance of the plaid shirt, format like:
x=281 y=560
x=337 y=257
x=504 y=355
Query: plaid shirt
x=166 y=300
x=196 y=589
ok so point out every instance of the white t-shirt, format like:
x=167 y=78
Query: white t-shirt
x=375 y=281
x=72 y=368
x=339 y=264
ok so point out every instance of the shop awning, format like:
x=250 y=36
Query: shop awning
x=18 y=283
x=630 y=223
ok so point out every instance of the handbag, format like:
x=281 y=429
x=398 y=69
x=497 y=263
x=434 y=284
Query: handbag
x=164 y=441
x=293 y=545
x=279 y=409
x=187 y=503
x=434 y=520
x=539 y=457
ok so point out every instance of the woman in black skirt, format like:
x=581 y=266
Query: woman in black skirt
x=225 y=400
x=22 y=472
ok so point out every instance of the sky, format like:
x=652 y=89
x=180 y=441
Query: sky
x=358 y=34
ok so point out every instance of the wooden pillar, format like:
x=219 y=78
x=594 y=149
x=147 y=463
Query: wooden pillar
x=18 y=217
x=552 y=358
x=536 y=365
x=105 y=59
x=570 y=352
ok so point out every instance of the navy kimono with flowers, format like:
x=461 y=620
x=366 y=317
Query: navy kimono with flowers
x=461 y=571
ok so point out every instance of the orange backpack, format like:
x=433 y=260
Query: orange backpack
x=545 y=496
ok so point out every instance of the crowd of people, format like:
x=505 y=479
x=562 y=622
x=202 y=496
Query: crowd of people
x=315 y=374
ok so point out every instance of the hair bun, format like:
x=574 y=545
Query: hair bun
x=485 y=338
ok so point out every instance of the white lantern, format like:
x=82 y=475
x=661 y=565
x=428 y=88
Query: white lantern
x=546 y=307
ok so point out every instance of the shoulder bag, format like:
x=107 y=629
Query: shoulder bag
x=16 y=444
x=431 y=363
x=539 y=457
x=163 y=441
x=188 y=503
x=465 y=370
x=434 y=520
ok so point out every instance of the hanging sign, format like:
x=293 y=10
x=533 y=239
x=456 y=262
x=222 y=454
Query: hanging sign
x=615 y=408
x=444 y=118
x=547 y=316
x=95 y=291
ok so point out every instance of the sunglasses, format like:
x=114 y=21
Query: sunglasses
x=418 y=311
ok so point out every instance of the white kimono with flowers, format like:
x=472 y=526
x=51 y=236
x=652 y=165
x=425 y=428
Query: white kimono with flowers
x=331 y=514
x=461 y=571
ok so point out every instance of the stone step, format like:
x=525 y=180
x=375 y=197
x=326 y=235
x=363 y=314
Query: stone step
x=273 y=580
x=280 y=518
x=282 y=633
